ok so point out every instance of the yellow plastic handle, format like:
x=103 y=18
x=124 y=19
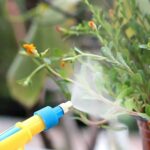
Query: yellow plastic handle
x=21 y=148
x=28 y=128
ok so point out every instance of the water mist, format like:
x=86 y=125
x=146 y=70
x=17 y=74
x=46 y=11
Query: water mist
x=89 y=93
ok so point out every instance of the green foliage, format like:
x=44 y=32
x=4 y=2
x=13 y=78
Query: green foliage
x=147 y=110
x=43 y=34
x=123 y=33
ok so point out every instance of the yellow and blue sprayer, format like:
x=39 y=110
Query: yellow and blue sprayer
x=21 y=133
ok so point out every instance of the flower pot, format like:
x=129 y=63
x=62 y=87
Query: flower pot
x=144 y=128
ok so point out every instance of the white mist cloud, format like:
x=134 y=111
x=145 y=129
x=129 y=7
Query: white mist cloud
x=89 y=93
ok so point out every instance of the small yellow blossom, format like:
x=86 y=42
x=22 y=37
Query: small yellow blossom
x=30 y=49
x=92 y=24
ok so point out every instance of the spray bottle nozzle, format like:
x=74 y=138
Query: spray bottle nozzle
x=43 y=119
x=66 y=106
x=51 y=116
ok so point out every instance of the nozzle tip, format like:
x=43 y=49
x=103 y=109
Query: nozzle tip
x=66 y=106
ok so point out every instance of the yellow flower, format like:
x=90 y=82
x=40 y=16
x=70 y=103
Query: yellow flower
x=30 y=49
x=92 y=24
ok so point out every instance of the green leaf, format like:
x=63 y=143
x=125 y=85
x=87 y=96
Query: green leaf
x=20 y=69
x=137 y=78
x=125 y=92
x=147 y=109
x=107 y=52
x=121 y=59
x=130 y=104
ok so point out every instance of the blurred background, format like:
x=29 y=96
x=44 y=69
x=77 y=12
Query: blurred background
x=37 y=21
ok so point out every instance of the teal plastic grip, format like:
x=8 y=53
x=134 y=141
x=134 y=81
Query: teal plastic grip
x=50 y=116
x=9 y=132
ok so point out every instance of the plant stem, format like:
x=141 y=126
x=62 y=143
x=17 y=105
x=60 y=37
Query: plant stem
x=36 y=70
x=57 y=74
x=98 y=57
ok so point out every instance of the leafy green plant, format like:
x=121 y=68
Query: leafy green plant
x=123 y=33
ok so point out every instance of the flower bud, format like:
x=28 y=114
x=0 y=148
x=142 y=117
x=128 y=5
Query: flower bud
x=30 y=49
x=92 y=25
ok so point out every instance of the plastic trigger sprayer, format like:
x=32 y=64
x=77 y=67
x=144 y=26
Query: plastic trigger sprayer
x=21 y=133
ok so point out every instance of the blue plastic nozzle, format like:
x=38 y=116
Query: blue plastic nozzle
x=50 y=116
